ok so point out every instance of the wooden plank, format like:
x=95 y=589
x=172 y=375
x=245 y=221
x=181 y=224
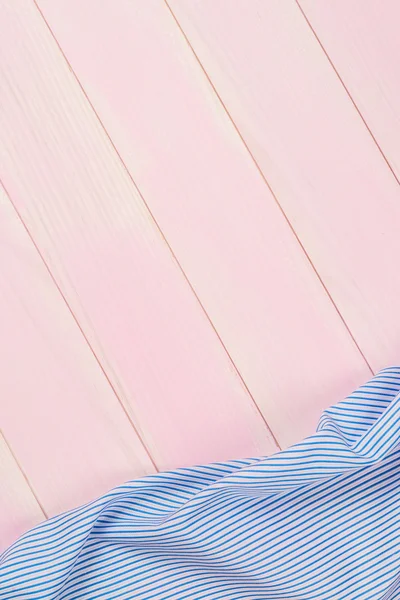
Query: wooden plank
x=314 y=150
x=117 y=273
x=362 y=40
x=214 y=208
x=19 y=509
x=60 y=416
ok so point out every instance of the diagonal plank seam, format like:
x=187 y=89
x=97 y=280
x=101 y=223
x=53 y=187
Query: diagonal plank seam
x=347 y=91
x=152 y=217
x=28 y=483
x=271 y=190
x=77 y=323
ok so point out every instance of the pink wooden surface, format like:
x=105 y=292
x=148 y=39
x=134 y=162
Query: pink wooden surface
x=58 y=413
x=147 y=328
x=213 y=207
x=362 y=40
x=157 y=308
x=19 y=509
x=314 y=150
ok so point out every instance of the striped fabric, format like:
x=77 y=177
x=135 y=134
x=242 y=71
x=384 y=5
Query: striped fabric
x=317 y=521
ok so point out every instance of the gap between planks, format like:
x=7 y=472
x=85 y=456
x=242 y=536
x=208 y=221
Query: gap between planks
x=164 y=239
x=347 y=91
x=65 y=301
x=28 y=483
x=264 y=178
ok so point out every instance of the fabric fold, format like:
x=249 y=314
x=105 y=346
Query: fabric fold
x=317 y=521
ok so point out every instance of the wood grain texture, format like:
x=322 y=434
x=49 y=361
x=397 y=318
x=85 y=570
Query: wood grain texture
x=213 y=206
x=19 y=509
x=60 y=416
x=362 y=40
x=139 y=314
x=315 y=152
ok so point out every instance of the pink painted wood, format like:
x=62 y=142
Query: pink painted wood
x=175 y=324
x=213 y=206
x=116 y=272
x=362 y=40
x=58 y=413
x=19 y=509
x=314 y=150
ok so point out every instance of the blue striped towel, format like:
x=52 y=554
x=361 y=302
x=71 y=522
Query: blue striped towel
x=317 y=521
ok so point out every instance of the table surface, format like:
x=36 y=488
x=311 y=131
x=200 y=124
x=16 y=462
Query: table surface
x=199 y=229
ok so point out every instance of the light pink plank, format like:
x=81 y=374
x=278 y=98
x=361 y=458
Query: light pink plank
x=19 y=509
x=315 y=152
x=362 y=39
x=271 y=312
x=117 y=273
x=57 y=410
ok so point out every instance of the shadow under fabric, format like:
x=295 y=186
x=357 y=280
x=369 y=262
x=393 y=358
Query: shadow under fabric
x=318 y=521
